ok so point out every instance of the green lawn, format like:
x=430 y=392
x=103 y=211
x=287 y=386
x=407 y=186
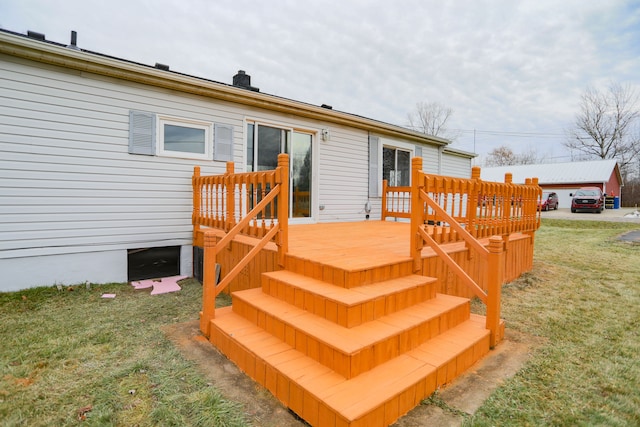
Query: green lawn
x=70 y=357
x=583 y=301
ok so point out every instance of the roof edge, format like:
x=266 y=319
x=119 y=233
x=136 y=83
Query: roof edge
x=56 y=54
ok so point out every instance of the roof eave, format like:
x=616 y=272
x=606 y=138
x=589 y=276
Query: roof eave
x=79 y=60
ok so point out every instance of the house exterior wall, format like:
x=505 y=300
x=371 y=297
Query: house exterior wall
x=69 y=186
x=456 y=166
x=75 y=200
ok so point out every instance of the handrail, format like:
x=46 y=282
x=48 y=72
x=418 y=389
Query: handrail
x=447 y=209
x=227 y=197
x=468 y=238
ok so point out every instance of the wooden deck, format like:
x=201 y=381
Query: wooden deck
x=353 y=324
x=346 y=334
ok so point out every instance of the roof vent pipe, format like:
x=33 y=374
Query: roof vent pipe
x=74 y=41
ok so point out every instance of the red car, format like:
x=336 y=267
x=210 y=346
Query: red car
x=587 y=199
x=549 y=201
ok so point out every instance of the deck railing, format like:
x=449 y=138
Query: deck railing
x=446 y=209
x=255 y=204
x=396 y=201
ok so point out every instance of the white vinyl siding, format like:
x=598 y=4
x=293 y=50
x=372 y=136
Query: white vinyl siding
x=430 y=162
x=456 y=166
x=69 y=183
x=344 y=175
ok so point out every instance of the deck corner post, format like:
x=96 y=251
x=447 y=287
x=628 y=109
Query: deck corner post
x=494 y=288
x=230 y=197
x=283 y=208
x=208 y=284
x=417 y=215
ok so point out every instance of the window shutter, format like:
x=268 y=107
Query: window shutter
x=374 y=176
x=142 y=133
x=418 y=151
x=223 y=145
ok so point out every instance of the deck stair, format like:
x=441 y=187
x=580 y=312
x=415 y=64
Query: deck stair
x=342 y=346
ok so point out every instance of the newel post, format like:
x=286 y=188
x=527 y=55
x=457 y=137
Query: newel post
x=509 y=204
x=494 y=287
x=384 y=200
x=417 y=215
x=283 y=208
x=231 y=200
x=197 y=197
x=473 y=201
x=208 y=284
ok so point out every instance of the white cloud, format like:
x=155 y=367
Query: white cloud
x=501 y=65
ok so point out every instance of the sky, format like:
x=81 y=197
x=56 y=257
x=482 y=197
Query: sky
x=511 y=71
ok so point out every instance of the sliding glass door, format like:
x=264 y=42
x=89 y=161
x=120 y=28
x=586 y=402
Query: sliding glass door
x=264 y=143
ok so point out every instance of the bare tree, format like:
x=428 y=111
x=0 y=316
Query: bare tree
x=505 y=156
x=501 y=156
x=606 y=126
x=431 y=118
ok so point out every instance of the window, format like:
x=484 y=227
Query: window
x=184 y=138
x=396 y=166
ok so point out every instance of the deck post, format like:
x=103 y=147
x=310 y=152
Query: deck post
x=283 y=208
x=473 y=202
x=384 y=200
x=494 y=287
x=509 y=205
x=197 y=200
x=208 y=284
x=417 y=215
x=231 y=201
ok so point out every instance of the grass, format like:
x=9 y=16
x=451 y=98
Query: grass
x=70 y=357
x=582 y=300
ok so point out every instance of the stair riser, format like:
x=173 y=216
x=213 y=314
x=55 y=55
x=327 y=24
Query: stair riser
x=347 y=278
x=351 y=365
x=345 y=315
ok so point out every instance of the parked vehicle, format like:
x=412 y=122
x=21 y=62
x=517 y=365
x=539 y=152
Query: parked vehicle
x=549 y=201
x=587 y=199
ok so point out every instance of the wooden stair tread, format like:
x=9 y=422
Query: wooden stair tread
x=350 y=260
x=351 y=296
x=411 y=376
x=349 y=340
x=350 y=270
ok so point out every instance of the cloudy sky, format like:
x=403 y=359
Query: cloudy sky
x=513 y=71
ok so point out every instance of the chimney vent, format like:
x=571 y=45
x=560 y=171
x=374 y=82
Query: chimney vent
x=160 y=66
x=34 y=35
x=74 y=41
x=243 y=80
x=328 y=107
